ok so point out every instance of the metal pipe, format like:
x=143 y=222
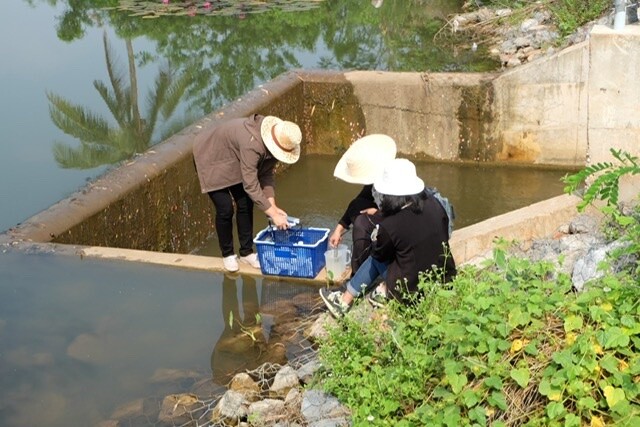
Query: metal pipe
x=620 y=16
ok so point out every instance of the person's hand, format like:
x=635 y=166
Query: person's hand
x=278 y=216
x=335 y=238
x=280 y=221
x=369 y=211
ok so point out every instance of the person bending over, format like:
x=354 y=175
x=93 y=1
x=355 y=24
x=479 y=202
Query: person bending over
x=235 y=162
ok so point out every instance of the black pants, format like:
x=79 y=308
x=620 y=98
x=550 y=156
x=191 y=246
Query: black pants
x=226 y=201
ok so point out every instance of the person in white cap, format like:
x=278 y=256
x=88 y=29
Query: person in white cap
x=235 y=163
x=361 y=164
x=413 y=238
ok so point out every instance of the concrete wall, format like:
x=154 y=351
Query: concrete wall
x=153 y=202
x=436 y=114
x=540 y=110
x=614 y=98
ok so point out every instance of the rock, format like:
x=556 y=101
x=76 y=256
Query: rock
x=285 y=380
x=180 y=408
x=318 y=406
x=587 y=268
x=266 y=410
x=306 y=371
x=231 y=408
x=294 y=397
x=529 y=24
x=243 y=383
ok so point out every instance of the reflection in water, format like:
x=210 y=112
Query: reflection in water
x=100 y=142
x=254 y=332
x=241 y=345
x=217 y=8
x=400 y=35
x=81 y=339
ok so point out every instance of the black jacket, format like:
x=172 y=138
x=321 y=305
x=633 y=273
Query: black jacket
x=412 y=243
x=364 y=200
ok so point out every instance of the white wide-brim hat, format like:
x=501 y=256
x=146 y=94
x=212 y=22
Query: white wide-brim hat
x=399 y=178
x=364 y=160
x=282 y=138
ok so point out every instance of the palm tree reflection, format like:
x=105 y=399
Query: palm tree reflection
x=102 y=143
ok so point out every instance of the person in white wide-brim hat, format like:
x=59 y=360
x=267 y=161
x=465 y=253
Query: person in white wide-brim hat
x=235 y=162
x=411 y=239
x=361 y=164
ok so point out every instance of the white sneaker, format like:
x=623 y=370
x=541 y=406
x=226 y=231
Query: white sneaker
x=251 y=259
x=230 y=263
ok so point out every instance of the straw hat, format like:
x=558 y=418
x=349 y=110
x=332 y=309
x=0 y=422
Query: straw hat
x=365 y=159
x=399 y=178
x=282 y=138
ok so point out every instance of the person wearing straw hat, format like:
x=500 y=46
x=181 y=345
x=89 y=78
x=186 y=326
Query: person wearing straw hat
x=363 y=161
x=235 y=163
x=411 y=239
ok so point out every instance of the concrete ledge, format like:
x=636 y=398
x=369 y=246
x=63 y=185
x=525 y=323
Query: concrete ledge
x=535 y=221
x=194 y=262
x=468 y=244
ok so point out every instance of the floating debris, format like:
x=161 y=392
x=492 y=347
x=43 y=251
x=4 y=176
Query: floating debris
x=159 y=8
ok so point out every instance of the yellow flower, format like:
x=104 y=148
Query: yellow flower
x=516 y=346
x=555 y=396
x=597 y=348
x=606 y=306
x=622 y=365
x=570 y=338
x=596 y=422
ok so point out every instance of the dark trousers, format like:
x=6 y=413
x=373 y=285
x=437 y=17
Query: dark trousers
x=228 y=201
x=363 y=225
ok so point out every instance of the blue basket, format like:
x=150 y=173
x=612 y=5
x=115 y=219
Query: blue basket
x=296 y=252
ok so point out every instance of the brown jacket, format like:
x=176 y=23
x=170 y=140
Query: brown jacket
x=233 y=153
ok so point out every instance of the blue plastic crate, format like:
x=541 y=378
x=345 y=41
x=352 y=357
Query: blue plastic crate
x=296 y=252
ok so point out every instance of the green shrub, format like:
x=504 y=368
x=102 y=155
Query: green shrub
x=571 y=14
x=504 y=346
x=568 y=14
x=602 y=182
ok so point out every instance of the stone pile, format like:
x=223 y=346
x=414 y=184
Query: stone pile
x=514 y=44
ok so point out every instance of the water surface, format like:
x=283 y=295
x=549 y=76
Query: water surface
x=81 y=338
x=478 y=191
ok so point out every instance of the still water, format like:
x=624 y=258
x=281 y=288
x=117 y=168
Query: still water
x=309 y=191
x=80 y=338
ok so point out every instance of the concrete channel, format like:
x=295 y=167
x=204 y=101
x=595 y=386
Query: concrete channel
x=567 y=109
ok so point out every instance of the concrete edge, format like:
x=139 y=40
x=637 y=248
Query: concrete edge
x=541 y=219
x=468 y=244
x=124 y=178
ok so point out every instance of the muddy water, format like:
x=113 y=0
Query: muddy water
x=478 y=191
